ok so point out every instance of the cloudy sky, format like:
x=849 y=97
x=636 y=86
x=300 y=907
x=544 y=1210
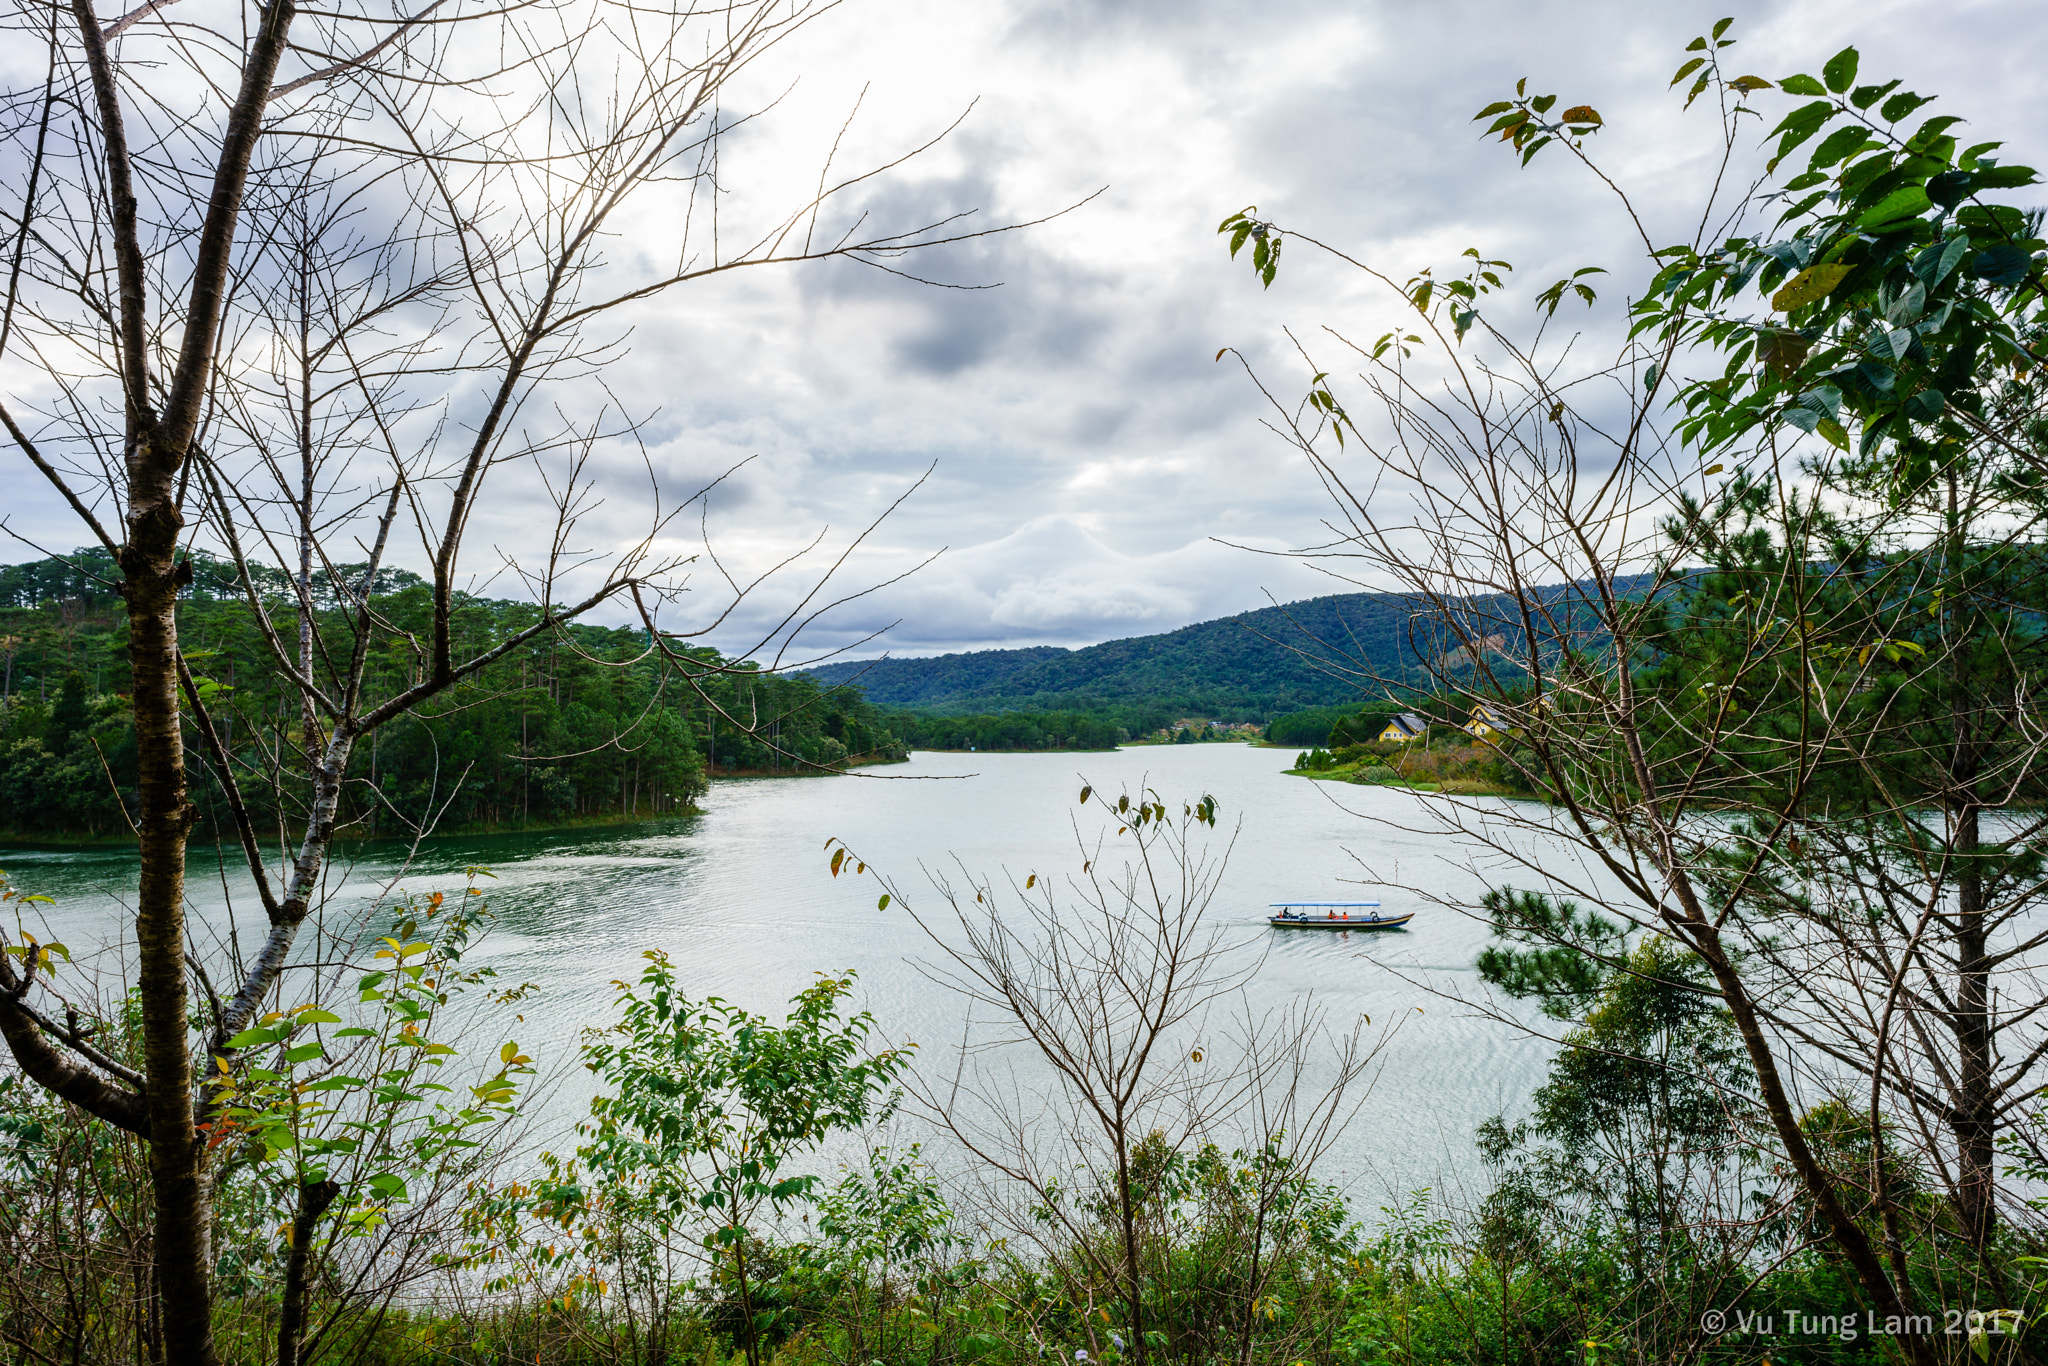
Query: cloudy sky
x=1088 y=454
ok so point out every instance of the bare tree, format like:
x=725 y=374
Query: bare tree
x=287 y=284
x=1121 y=990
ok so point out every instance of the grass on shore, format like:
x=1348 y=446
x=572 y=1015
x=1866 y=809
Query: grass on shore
x=1460 y=766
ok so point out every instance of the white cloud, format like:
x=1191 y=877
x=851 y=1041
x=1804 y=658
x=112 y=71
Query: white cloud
x=1086 y=444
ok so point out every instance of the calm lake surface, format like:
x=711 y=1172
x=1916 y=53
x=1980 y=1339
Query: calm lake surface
x=742 y=900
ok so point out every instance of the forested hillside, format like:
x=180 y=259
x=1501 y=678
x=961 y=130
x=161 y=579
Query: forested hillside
x=580 y=725
x=1248 y=667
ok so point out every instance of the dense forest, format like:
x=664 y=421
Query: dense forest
x=1335 y=653
x=583 y=724
x=1249 y=667
x=1013 y=730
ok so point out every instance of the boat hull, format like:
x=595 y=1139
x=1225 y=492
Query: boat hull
x=1385 y=922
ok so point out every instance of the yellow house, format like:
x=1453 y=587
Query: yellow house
x=1486 y=721
x=1405 y=727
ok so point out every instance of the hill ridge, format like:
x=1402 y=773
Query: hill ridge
x=1262 y=661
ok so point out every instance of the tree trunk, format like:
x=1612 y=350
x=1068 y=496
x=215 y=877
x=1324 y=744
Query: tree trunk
x=151 y=579
x=1974 y=1123
x=1135 y=1301
x=1888 y=1300
x=314 y=1198
x=739 y=1266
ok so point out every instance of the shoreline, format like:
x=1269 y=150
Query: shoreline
x=43 y=841
x=47 y=841
x=1456 y=787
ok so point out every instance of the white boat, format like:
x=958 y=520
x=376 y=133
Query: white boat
x=1334 y=915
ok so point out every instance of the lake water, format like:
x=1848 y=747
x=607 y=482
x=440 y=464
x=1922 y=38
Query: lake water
x=742 y=899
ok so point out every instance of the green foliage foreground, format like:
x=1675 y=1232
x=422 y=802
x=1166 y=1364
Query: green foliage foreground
x=374 y=1209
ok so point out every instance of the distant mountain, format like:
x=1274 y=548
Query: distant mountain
x=1269 y=661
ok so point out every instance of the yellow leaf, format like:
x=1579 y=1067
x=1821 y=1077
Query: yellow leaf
x=1809 y=286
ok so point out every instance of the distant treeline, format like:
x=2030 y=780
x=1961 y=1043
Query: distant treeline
x=578 y=725
x=1009 y=731
x=1109 y=727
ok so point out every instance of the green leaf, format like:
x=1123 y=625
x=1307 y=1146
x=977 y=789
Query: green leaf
x=1799 y=85
x=883 y=904
x=1866 y=95
x=1808 y=286
x=1891 y=343
x=1949 y=188
x=1904 y=202
x=1839 y=145
x=336 y=1083
x=2002 y=265
x=1926 y=405
x=2005 y=177
x=1799 y=125
x=1931 y=130
x=318 y=1016
x=1840 y=72
x=1498 y=106
x=1694 y=65
x=1898 y=106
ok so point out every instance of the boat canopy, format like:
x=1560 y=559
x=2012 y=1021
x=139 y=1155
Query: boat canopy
x=1321 y=905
